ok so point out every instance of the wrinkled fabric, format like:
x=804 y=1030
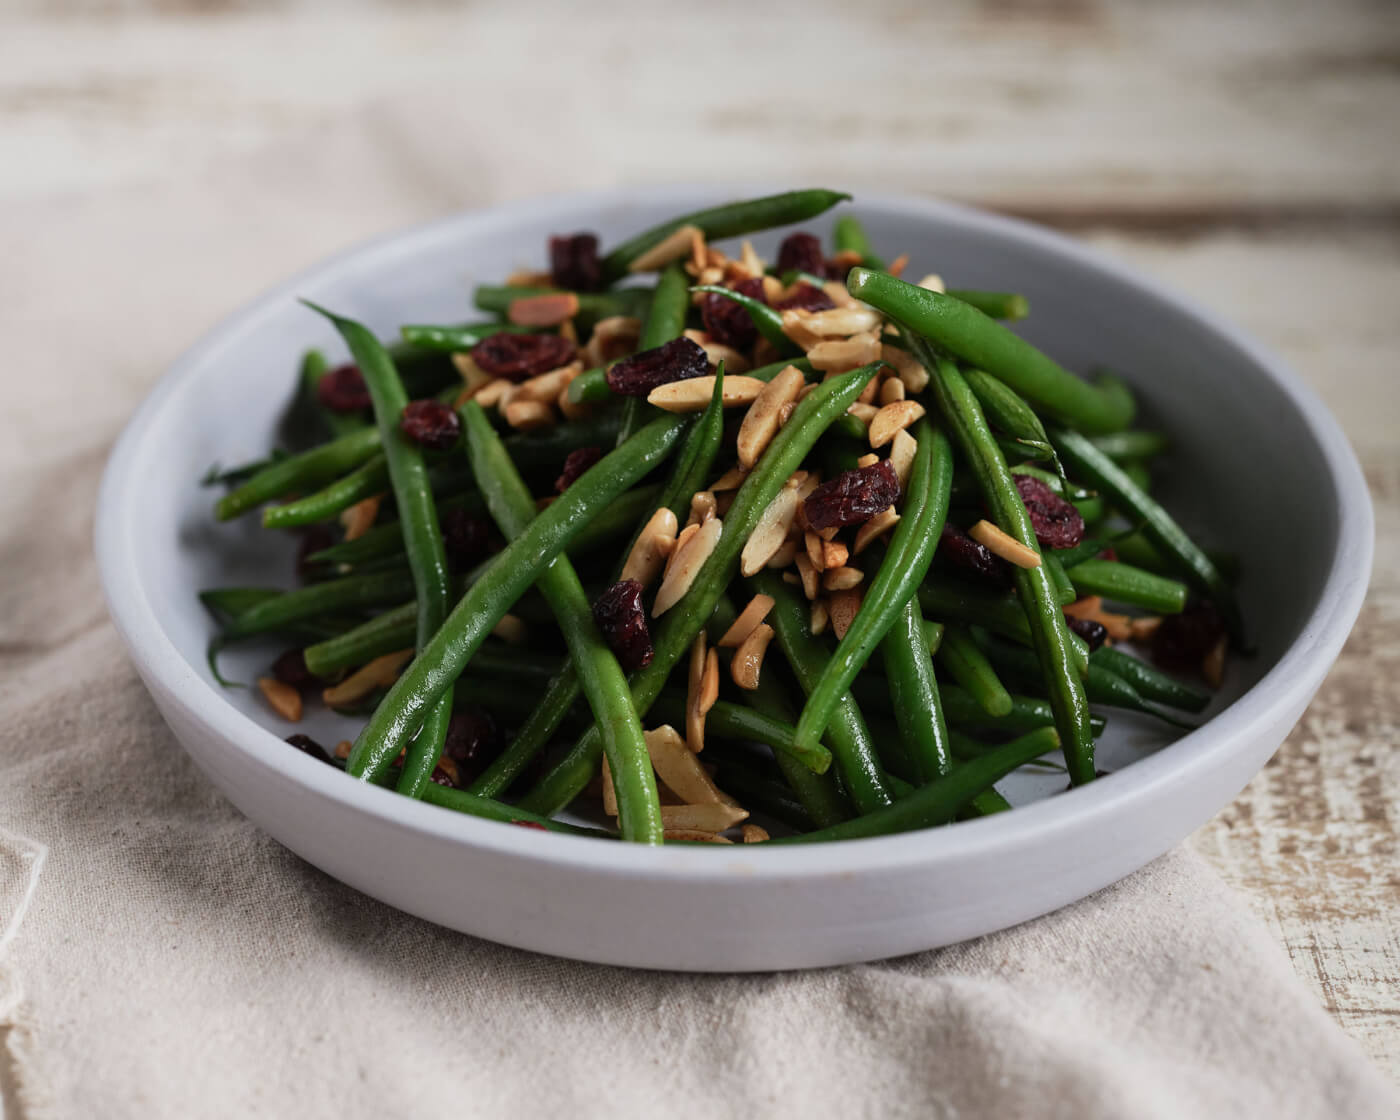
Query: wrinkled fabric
x=161 y=957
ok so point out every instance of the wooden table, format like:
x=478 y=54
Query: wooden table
x=1247 y=154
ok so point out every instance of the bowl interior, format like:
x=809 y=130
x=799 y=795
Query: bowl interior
x=1247 y=472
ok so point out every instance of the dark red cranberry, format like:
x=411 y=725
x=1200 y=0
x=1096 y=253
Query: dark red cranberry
x=1109 y=553
x=1182 y=640
x=806 y=297
x=466 y=538
x=1091 y=631
x=471 y=741
x=431 y=424
x=728 y=321
x=1057 y=523
x=290 y=668
x=307 y=745
x=343 y=389
x=573 y=262
x=518 y=356
x=641 y=373
x=442 y=776
x=530 y=824
x=575 y=465
x=801 y=252
x=973 y=557
x=313 y=540
x=623 y=621
x=853 y=497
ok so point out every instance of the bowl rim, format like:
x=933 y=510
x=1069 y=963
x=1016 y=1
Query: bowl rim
x=1302 y=665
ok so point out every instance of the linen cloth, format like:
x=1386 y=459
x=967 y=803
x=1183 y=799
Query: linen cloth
x=161 y=957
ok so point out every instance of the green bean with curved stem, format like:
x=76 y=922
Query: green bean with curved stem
x=914 y=693
x=632 y=302
x=969 y=666
x=1125 y=584
x=995 y=305
x=849 y=236
x=454 y=338
x=311 y=468
x=1151 y=683
x=768 y=321
x=664 y=322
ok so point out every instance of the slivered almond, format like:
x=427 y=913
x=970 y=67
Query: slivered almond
x=530 y=278
x=840 y=355
x=569 y=331
x=893 y=418
x=699 y=252
x=795 y=327
x=841 y=322
x=1119 y=626
x=359 y=518
x=682 y=538
x=881 y=523
x=1213 y=664
x=754 y=834
x=702 y=690
x=903 y=448
x=933 y=283
x=707 y=819
x=829 y=533
x=868 y=391
x=834 y=555
x=841 y=579
x=843 y=607
x=675 y=245
x=812 y=545
x=281 y=697
x=837 y=292
x=379 y=673
x=527 y=416
x=868 y=460
x=772 y=290
x=731 y=479
x=547 y=310
x=753 y=613
x=771 y=531
x=752 y=262
x=492 y=392
x=748 y=658
x=863 y=412
x=511 y=629
x=612 y=338
x=472 y=374
x=693 y=394
x=891 y=390
x=609 y=792
x=702 y=506
x=707 y=275
x=680 y=769
x=997 y=540
x=654 y=544
x=792 y=577
x=546 y=387
x=716 y=352
x=761 y=421
x=820 y=616
x=808 y=574
x=1145 y=626
x=693 y=836
x=785 y=555
x=898 y=265
x=909 y=368
x=845 y=260
x=687 y=561
x=343 y=749
x=785 y=413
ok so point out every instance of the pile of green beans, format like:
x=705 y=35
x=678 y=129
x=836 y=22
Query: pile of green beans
x=480 y=677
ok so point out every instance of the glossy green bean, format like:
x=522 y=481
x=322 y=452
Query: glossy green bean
x=664 y=322
x=332 y=596
x=1130 y=445
x=1004 y=408
x=314 y=366
x=365 y=481
x=995 y=305
x=1151 y=683
x=1136 y=549
x=1090 y=506
x=914 y=693
x=849 y=236
x=963 y=330
x=727 y=720
x=697 y=456
x=1064 y=587
x=1123 y=583
x=933 y=634
x=460 y=801
x=765 y=795
x=632 y=302
x=768 y=321
x=456 y=337
x=732 y=220
x=969 y=666
x=952 y=601
x=312 y=468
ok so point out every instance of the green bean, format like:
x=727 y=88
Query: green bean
x=963 y=330
x=1151 y=684
x=914 y=693
x=314 y=367
x=1086 y=549
x=697 y=457
x=456 y=337
x=514 y=569
x=601 y=677
x=796 y=275
x=1055 y=649
x=849 y=236
x=1134 y=548
x=364 y=481
x=731 y=220
x=756 y=791
x=683 y=622
x=1138 y=475
x=933 y=635
x=1125 y=584
x=664 y=322
x=895 y=582
x=350 y=593
x=632 y=302
x=299 y=472
x=736 y=721
x=236 y=476
x=845 y=728
x=227 y=603
x=1155 y=523
x=995 y=305
x=1130 y=445
x=969 y=666
x=590 y=387
x=460 y=801
x=1090 y=505
x=392 y=630
x=1004 y=408
x=427 y=557
x=1001 y=614
x=987 y=803
x=939 y=801
x=768 y=321
x=961 y=710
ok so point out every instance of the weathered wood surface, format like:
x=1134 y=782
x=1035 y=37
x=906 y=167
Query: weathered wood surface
x=1246 y=152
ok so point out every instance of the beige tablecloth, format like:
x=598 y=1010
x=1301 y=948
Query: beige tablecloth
x=160 y=957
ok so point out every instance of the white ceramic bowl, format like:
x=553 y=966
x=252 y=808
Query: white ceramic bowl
x=1259 y=465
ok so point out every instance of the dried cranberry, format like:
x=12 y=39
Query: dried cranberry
x=729 y=321
x=1182 y=640
x=1109 y=553
x=471 y=741
x=1091 y=631
x=622 y=620
x=290 y=668
x=466 y=538
x=973 y=557
x=431 y=424
x=573 y=262
x=343 y=389
x=641 y=373
x=853 y=497
x=801 y=252
x=443 y=776
x=518 y=356
x=314 y=540
x=530 y=824
x=575 y=465
x=1057 y=523
x=806 y=297
x=307 y=745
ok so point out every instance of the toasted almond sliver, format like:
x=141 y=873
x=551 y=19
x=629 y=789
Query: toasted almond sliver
x=785 y=413
x=281 y=697
x=609 y=791
x=795 y=327
x=813 y=545
x=694 y=836
x=1145 y=626
x=547 y=386
x=753 y=613
x=893 y=418
x=903 y=448
x=869 y=391
x=612 y=338
x=810 y=577
x=883 y=521
x=717 y=352
x=527 y=416
x=772 y=530
x=680 y=769
x=492 y=392
x=840 y=579
x=933 y=283
x=834 y=555
x=838 y=356
x=891 y=390
x=373 y=674
x=359 y=518
x=343 y=749
x=1213 y=664
x=685 y=565
x=841 y=322
x=844 y=605
x=791 y=577
x=837 y=292
x=1119 y=626
x=511 y=629
x=865 y=413
x=701 y=818
x=898 y=265
x=754 y=834
x=761 y=422
x=547 y=310
x=748 y=658
x=675 y=245
x=846 y=259
x=772 y=289
x=569 y=331
x=695 y=680
x=868 y=460
x=820 y=616
x=693 y=394
x=731 y=479
x=1003 y=544
x=787 y=552
x=702 y=506
x=910 y=370
x=682 y=538
x=654 y=544
x=472 y=374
